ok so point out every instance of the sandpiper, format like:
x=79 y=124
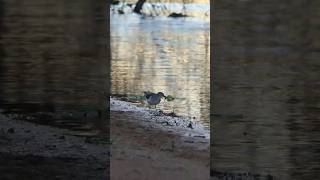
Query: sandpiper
x=154 y=99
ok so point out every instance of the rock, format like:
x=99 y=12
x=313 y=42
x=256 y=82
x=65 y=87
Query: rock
x=200 y=136
x=115 y=2
x=190 y=125
x=177 y=15
x=172 y=114
x=166 y=123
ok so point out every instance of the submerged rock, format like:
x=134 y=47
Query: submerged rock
x=177 y=15
x=120 y=11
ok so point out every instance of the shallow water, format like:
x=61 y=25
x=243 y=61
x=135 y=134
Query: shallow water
x=50 y=59
x=163 y=54
x=266 y=89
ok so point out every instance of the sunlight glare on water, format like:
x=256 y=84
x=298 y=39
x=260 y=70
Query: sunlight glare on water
x=163 y=54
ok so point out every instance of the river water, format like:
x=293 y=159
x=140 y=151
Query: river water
x=51 y=56
x=163 y=54
x=266 y=70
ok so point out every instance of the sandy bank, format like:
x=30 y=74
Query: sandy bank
x=146 y=145
x=40 y=152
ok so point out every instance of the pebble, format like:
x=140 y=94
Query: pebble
x=190 y=125
x=200 y=136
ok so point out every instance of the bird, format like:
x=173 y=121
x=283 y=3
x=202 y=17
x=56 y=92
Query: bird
x=153 y=98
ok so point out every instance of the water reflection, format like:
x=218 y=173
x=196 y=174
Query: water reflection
x=163 y=54
x=266 y=82
x=51 y=54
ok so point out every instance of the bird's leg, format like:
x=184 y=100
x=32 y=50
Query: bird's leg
x=155 y=106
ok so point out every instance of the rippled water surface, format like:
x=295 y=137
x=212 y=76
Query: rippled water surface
x=266 y=86
x=51 y=59
x=163 y=54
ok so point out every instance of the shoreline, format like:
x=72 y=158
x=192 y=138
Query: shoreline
x=142 y=147
x=160 y=120
x=39 y=152
x=145 y=148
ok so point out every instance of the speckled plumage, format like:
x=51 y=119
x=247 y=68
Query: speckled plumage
x=154 y=99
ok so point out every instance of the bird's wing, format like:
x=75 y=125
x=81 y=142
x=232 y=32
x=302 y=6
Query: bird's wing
x=148 y=94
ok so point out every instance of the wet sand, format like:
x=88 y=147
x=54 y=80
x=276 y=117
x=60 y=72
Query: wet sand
x=32 y=151
x=142 y=149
